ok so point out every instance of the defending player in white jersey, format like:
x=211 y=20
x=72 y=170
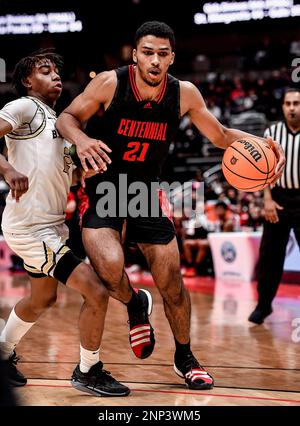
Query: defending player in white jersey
x=39 y=172
x=36 y=148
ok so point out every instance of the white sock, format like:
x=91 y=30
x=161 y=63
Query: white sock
x=88 y=359
x=12 y=333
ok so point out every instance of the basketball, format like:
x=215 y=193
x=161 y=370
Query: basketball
x=249 y=164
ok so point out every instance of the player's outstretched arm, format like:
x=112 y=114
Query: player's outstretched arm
x=192 y=103
x=17 y=182
x=70 y=123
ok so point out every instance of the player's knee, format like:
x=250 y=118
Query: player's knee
x=86 y=282
x=113 y=282
x=113 y=273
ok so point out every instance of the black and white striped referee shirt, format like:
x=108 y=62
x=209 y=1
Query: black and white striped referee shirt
x=290 y=143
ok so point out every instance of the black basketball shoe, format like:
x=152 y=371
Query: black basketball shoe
x=15 y=377
x=98 y=382
x=195 y=376
x=141 y=334
x=259 y=314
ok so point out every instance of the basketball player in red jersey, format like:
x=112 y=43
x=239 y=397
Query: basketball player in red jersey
x=143 y=105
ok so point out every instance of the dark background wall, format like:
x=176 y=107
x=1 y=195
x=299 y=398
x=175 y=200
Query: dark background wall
x=108 y=25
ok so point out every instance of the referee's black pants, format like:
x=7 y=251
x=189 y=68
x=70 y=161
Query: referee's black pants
x=274 y=242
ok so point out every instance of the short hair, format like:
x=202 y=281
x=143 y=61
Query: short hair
x=25 y=66
x=289 y=90
x=157 y=29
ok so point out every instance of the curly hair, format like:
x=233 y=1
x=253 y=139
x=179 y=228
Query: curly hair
x=25 y=66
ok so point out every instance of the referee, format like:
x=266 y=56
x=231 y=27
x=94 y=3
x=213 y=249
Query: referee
x=282 y=207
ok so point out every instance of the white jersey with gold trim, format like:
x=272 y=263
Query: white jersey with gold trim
x=36 y=149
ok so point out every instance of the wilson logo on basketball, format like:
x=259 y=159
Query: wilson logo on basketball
x=251 y=149
x=249 y=164
x=233 y=161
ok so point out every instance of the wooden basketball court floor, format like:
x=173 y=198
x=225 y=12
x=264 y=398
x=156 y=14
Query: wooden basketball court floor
x=252 y=365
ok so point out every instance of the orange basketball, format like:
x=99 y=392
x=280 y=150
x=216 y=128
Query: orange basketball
x=249 y=164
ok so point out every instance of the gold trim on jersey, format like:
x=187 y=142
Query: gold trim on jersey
x=49 y=109
x=50 y=260
x=31 y=269
x=14 y=135
x=63 y=250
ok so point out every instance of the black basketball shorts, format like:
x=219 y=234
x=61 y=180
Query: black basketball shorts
x=152 y=230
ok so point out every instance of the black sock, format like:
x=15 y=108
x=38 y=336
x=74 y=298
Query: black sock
x=264 y=307
x=182 y=350
x=134 y=303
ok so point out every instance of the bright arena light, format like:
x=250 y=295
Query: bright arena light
x=58 y=22
x=237 y=11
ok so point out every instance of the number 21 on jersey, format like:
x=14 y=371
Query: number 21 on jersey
x=137 y=151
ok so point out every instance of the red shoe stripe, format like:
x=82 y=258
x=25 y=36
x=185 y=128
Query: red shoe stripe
x=138 y=328
x=140 y=342
x=206 y=379
x=196 y=370
x=198 y=373
x=138 y=336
